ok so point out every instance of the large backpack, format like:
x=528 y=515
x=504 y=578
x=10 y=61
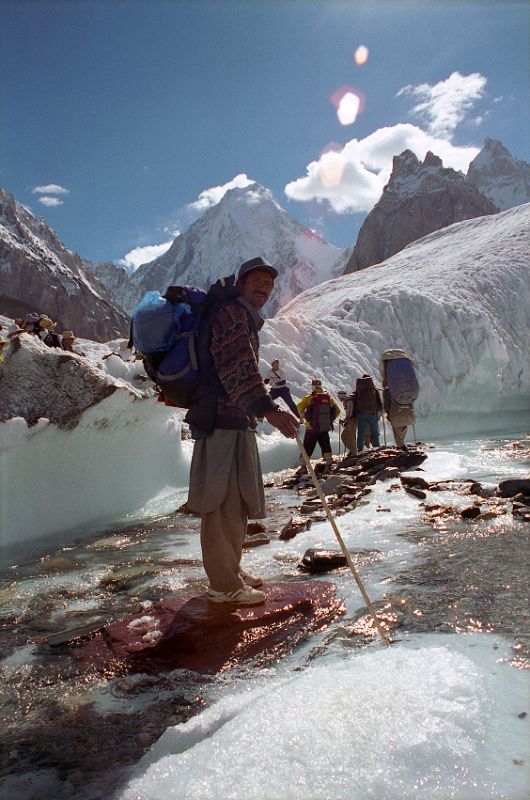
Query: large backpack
x=398 y=370
x=173 y=333
x=366 y=394
x=321 y=412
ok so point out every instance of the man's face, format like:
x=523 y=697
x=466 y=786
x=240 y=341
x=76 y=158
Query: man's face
x=256 y=287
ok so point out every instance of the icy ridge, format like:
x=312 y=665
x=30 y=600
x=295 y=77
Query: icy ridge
x=457 y=300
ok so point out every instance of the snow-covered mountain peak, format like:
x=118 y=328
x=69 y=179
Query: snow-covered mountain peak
x=493 y=150
x=403 y=165
x=246 y=222
x=252 y=194
x=410 y=176
x=40 y=273
x=501 y=177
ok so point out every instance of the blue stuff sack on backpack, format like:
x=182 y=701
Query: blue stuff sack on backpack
x=154 y=326
x=402 y=381
x=165 y=330
x=173 y=333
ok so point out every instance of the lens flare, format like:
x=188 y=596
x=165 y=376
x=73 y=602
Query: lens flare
x=349 y=103
x=331 y=170
x=348 y=109
x=361 y=55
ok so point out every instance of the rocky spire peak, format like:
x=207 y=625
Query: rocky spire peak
x=432 y=160
x=404 y=164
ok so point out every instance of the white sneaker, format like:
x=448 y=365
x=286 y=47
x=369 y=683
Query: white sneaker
x=250 y=580
x=241 y=597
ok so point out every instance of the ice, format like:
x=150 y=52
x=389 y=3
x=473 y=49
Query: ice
x=457 y=300
x=432 y=717
x=119 y=457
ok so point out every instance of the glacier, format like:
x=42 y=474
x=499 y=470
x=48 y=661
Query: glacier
x=458 y=300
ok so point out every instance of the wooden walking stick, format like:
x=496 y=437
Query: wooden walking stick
x=383 y=418
x=333 y=524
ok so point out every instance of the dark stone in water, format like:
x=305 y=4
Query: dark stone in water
x=415 y=492
x=75 y=634
x=183 y=509
x=315 y=560
x=207 y=638
x=512 y=486
x=522 y=511
x=255 y=540
x=388 y=474
x=416 y=483
x=255 y=527
x=294 y=526
x=470 y=512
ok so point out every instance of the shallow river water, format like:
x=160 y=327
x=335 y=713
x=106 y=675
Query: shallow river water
x=72 y=732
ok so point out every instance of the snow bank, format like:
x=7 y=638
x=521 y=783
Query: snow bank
x=435 y=717
x=458 y=301
x=123 y=452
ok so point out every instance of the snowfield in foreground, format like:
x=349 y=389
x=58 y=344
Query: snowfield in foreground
x=457 y=300
x=433 y=717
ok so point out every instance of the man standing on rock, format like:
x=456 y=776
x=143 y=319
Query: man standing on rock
x=226 y=485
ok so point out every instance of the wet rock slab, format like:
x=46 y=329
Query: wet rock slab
x=205 y=637
x=322 y=560
x=513 y=486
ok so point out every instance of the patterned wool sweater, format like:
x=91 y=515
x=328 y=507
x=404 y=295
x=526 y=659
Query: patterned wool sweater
x=234 y=349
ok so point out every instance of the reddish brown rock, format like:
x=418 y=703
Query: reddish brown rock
x=294 y=526
x=206 y=637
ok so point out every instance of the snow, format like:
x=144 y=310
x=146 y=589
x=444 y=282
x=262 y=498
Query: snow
x=448 y=728
x=120 y=455
x=458 y=301
x=500 y=176
x=246 y=222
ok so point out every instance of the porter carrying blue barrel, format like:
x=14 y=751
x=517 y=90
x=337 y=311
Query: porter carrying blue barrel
x=397 y=368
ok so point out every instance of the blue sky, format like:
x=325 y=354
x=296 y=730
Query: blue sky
x=116 y=117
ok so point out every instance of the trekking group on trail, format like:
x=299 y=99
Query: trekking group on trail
x=202 y=350
x=42 y=326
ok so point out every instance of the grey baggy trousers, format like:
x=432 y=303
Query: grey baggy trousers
x=226 y=488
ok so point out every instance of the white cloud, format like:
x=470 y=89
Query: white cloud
x=173 y=232
x=445 y=104
x=351 y=179
x=51 y=188
x=210 y=197
x=51 y=202
x=142 y=255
